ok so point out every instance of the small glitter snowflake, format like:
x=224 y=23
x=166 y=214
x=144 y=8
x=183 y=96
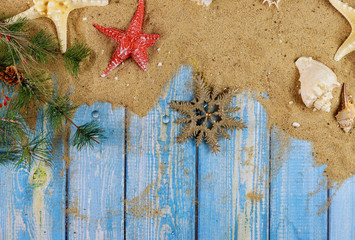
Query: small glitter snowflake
x=208 y=115
x=272 y=2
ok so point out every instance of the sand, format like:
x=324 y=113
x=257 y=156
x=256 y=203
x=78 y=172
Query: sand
x=236 y=43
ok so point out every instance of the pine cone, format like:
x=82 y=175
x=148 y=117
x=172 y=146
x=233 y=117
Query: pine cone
x=12 y=76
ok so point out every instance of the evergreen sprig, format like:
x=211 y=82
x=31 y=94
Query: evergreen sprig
x=23 y=153
x=58 y=110
x=87 y=134
x=19 y=46
x=19 y=145
x=43 y=46
x=11 y=124
x=74 y=56
x=33 y=90
x=26 y=50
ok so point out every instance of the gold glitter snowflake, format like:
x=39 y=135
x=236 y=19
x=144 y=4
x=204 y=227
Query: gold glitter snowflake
x=207 y=116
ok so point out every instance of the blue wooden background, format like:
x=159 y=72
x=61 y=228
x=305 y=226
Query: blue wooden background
x=141 y=184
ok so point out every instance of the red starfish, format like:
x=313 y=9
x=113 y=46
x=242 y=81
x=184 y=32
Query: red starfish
x=131 y=42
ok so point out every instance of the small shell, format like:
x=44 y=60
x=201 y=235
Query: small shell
x=317 y=83
x=346 y=116
x=203 y=2
x=272 y=2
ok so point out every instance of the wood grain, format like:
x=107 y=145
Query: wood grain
x=233 y=185
x=141 y=184
x=31 y=209
x=294 y=178
x=161 y=172
x=342 y=212
x=96 y=178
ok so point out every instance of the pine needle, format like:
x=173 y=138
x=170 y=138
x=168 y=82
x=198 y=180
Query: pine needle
x=73 y=57
x=12 y=124
x=24 y=154
x=58 y=110
x=19 y=147
x=5 y=61
x=32 y=90
x=22 y=48
x=19 y=26
x=87 y=134
x=43 y=46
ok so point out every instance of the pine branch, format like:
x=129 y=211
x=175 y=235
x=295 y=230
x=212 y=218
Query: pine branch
x=58 y=110
x=43 y=46
x=15 y=40
x=22 y=151
x=19 y=26
x=23 y=50
x=12 y=124
x=37 y=149
x=32 y=90
x=86 y=134
x=74 y=56
x=5 y=61
x=25 y=53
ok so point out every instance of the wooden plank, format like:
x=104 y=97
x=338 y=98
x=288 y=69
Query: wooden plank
x=16 y=217
x=294 y=178
x=32 y=205
x=96 y=178
x=342 y=212
x=161 y=172
x=233 y=191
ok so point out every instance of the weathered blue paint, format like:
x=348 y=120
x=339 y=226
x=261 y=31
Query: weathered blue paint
x=160 y=172
x=15 y=201
x=233 y=185
x=342 y=212
x=294 y=177
x=52 y=215
x=96 y=178
x=33 y=212
x=156 y=187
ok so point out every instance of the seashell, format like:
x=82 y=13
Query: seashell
x=346 y=116
x=272 y=2
x=203 y=2
x=317 y=83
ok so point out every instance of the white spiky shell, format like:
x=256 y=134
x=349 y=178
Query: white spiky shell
x=345 y=117
x=272 y=2
x=317 y=83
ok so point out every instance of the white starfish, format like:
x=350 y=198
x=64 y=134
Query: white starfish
x=349 y=44
x=272 y=2
x=58 y=11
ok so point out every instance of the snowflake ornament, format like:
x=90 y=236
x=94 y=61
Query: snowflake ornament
x=208 y=115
